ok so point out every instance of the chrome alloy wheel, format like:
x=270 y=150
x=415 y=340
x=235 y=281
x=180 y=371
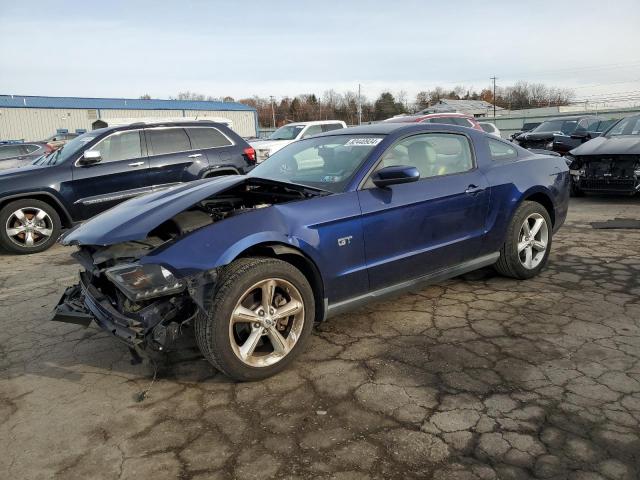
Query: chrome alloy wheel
x=29 y=227
x=266 y=323
x=533 y=240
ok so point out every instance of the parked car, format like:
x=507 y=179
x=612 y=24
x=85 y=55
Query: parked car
x=103 y=167
x=560 y=134
x=490 y=128
x=446 y=118
x=59 y=139
x=526 y=127
x=609 y=163
x=291 y=132
x=15 y=154
x=326 y=224
x=563 y=143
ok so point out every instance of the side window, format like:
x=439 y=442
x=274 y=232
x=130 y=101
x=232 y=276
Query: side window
x=10 y=151
x=207 y=137
x=31 y=148
x=120 y=146
x=501 y=151
x=331 y=126
x=444 y=120
x=312 y=130
x=433 y=154
x=168 y=140
x=463 y=122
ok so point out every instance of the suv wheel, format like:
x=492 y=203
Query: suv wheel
x=28 y=226
x=526 y=249
x=261 y=316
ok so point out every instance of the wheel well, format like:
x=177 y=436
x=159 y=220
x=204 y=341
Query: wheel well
x=65 y=219
x=546 y=202
x=220 y=172
x=299 y=260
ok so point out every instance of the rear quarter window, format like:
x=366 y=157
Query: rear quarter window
x=206 y=137
x=500 y=151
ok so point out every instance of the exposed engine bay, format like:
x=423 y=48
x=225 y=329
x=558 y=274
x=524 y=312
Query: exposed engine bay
x=613 y=174
x=249 y=196
x=145 y=305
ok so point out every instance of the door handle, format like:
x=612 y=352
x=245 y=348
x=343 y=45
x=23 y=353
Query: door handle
x=195 y=155
x=472 y=189
x=136 y=164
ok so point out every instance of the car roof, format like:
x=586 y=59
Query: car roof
x=416 y=118
x=136 y=125
x=386 y=128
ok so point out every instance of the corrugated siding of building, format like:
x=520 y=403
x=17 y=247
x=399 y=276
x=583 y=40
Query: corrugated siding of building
x=39 y=123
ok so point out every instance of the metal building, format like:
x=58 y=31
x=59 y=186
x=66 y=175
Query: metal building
x=36 y=118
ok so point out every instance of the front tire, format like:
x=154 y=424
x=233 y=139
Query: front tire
x=525 y=251
x=260 y=318
x=28 y=226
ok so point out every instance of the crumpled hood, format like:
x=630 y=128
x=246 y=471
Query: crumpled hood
x=618 y=145
x=135 y=218
x=537 y=136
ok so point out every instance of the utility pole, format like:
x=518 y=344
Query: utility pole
x=494 y=78
x=273 y=112
x=359 y=105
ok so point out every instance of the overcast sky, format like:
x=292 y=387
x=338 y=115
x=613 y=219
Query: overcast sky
x=243 y=48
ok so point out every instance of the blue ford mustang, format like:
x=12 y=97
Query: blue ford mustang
x=326 y=224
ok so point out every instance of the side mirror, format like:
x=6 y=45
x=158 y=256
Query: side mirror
x=395 y=175
x=90 y=157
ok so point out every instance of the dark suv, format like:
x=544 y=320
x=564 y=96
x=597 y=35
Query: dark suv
x=563 y=134
x=101 y=168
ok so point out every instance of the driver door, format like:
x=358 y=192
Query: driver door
x=121 y=173
x=414 y=229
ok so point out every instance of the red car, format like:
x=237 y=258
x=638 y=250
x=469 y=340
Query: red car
x=450 y=118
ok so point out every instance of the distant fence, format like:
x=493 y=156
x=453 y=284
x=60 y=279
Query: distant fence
x=512 y=122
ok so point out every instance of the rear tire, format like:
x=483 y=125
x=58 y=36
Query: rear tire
x=525 y=251
x=249 y=335
x=28 y=226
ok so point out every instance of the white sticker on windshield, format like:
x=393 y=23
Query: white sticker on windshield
x=366 y=141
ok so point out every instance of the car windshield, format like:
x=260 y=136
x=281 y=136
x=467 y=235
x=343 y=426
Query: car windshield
x=626 y=126
x=65 y=152
x=288 y=132
x=327 y=162
x=565 y=126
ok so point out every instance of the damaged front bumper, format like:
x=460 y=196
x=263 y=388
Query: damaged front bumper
x=155 y=325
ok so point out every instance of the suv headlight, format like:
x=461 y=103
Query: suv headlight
x=141 y=282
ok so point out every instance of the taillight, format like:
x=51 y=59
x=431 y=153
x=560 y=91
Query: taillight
x=250 y=153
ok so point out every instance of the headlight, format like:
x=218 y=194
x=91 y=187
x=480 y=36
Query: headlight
x=141 y=282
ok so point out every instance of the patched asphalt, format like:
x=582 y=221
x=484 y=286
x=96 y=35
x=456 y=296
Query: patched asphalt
x=479 y=377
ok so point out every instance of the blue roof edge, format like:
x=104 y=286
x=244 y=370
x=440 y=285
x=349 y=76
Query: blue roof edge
x=29 y=101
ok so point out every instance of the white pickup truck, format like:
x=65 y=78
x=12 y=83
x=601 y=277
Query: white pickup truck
x=290 y=133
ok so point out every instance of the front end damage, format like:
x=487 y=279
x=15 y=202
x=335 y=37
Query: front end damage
x=606 y=174
x=151 y=322
x=147 y=305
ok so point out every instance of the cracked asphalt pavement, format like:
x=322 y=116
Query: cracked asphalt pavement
x=479 y=377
